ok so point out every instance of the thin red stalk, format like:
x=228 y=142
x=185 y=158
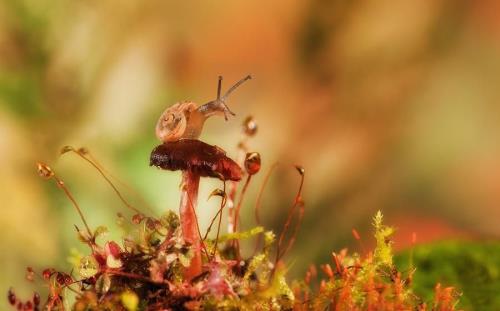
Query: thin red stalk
x=124 y=184
x=293 y=237
x=258 y=203
x=357 y=237
x=236 y=243
x=61 y=185
x=212 y=222
x=219 y=212
x=238 y=207
x=242 y=150
x=107 y=180
x=220 y=221
x=297 y=201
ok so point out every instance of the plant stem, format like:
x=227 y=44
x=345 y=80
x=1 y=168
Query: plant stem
x=189 y=224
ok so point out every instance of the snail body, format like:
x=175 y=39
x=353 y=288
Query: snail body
x=185 y=120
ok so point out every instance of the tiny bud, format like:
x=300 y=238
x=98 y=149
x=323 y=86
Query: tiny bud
x=252 y=163
x=120 y=220
x=82 y=151
x=157 y=224
x=220 y=193
x=300 y=169
x=36 y=298
x=137 y=218
x=113 y=249
x=47 y=273
x=68 y=279
x=30 y=274
x=327 y=269
x=66 y=149
x=19 y=306
x=314 y=271
x=11 y=296
x=355 y=234
x=307 y=278
x=250 y=126
x=322 y=286
x=150 y=223
x=28 y=306
x=60 y=278
x=44 y=170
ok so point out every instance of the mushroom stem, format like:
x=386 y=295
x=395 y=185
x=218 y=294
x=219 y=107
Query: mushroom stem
x=189 y=224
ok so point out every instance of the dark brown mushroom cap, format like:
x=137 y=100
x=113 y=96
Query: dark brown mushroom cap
x=195 y=156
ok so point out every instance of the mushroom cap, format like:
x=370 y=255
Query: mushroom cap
x=196 y=156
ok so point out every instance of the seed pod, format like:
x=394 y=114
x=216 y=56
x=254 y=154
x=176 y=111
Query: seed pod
x=11 y=296
x=44 y=170
x=30 y=274
x=28 y=306
x=250 y=126
x=137 y=218
x=36 y=299
x=252 y=163
x=47 y=273
x=60 y=278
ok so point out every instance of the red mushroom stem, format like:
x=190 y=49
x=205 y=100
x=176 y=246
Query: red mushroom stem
x=189 y=224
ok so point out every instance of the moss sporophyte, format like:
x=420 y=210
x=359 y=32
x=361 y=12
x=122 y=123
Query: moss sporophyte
x=167 y=263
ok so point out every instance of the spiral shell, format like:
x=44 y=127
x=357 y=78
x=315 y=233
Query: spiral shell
x=173 y=121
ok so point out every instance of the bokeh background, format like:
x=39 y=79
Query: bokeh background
x=390 y=105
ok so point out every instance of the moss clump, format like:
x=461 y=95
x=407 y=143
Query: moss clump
x=473 y=267
x=145 y=272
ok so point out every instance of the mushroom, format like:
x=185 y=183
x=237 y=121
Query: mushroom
x=178 y=128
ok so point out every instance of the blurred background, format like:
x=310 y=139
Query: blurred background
x=390 y=105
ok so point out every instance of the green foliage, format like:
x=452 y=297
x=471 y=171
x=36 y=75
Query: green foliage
x=473 y=267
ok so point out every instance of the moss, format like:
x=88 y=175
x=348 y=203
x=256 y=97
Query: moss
x=472 y=267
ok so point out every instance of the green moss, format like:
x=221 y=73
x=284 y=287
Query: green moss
x=472 y=267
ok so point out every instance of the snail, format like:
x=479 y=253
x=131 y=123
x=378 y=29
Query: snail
x=186 y=119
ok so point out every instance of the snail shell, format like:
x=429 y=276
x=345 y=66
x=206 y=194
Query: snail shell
x=182 y=120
